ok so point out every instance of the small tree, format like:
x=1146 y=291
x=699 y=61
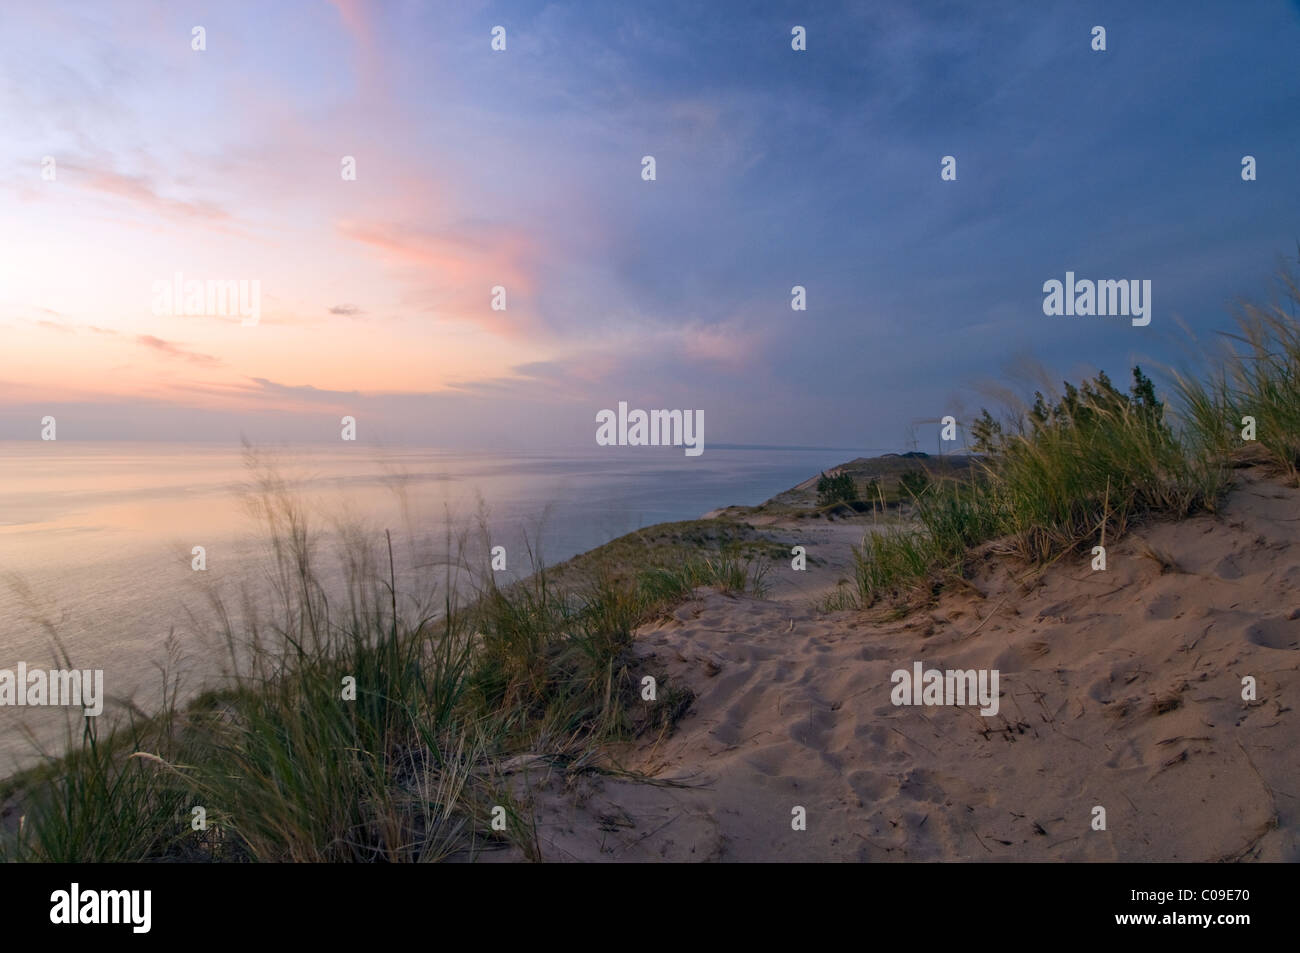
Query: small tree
x=836 y=489
x=914 y=482
x=1145 y=400
x=1079 y=409
x=987 y=433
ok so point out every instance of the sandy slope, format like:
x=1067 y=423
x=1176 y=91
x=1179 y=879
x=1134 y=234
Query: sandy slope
x=1119 y=688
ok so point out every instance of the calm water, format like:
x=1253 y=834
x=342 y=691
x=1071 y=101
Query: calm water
x=95 y=539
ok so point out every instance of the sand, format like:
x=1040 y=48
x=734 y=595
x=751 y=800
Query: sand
x=1120 y=689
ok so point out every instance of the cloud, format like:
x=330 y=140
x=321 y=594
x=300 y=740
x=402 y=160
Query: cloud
x=453 y=270
x=659 y=358
x=348 y=310
x=173 y=350
x=358 y=20
x=69 y=328
x=304 y=393
x=143 y=192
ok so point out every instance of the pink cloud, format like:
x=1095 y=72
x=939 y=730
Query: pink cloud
x=358 y=21
x=173 y=350
x=140 y=191
x=455 y=272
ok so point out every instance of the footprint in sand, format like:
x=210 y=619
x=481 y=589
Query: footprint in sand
x=1162 y=607
x=1017 y=657
x=872 y=786
x=1228 y=568
x=1059 y=612
x=1275 y=634
x=728 y=732
x=871 y=655
x=814 y=731
x=873 y=734
x=921 y=785
x=1102 y=691
x=772 y=760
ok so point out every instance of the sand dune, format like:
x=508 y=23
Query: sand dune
x=1120 y=689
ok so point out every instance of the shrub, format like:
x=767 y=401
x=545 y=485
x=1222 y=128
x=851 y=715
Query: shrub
x=839 y=488
x=914 y=482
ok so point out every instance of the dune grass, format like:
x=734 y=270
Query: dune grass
x=1082 y=467
x=1063 y=477
x=368 y=724
x=1255 y=377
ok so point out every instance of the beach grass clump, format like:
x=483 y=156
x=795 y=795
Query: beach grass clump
x=100 y=805
x=1247 y=408
x=1084 y=468
x=1069 y=472
x=341 y=739
x=547 y=659
x=949 y=517
x=728 y=572
x=350 y=750
x=558 y=659
x=101 y=801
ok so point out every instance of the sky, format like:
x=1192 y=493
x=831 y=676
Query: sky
x=522 y=169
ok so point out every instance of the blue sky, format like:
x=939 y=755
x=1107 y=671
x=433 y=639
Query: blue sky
x=522 y=168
